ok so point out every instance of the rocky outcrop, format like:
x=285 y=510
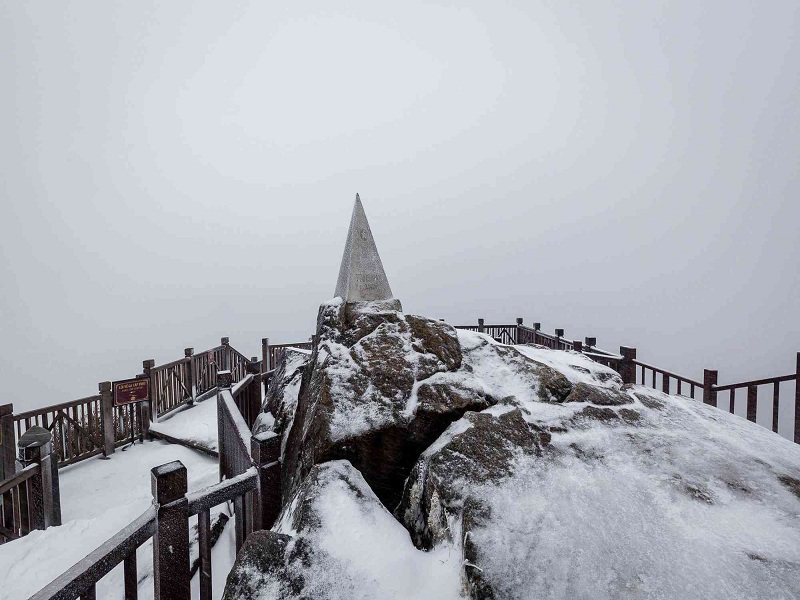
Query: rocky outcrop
x=425 y=462
x=360 y=395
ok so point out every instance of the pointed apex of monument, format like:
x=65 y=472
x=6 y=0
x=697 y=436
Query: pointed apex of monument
x=361 y=276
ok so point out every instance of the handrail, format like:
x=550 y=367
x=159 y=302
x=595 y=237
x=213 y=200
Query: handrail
x=668 y=373
x=223 y=491
x=18 y=478
x=755 y=382
x=90 y=569
x=240 y=385
x=28 y=414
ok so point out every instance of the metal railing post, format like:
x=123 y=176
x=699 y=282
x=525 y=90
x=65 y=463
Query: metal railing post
x=8 y=442
x=107 y=417
x=797 y=401
x=627 y=368
x=147 y=370
x=710 y=378
x=265 y=448
x=187 y=354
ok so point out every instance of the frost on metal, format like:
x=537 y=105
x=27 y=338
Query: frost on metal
x=361 y=275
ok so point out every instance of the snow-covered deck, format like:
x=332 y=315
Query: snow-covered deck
x=98 y=498
x=194 y=426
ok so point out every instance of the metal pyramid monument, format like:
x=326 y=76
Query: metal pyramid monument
x=361 y=276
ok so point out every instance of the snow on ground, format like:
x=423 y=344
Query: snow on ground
x=98 y=498
x=196 y=425
x=687 y=504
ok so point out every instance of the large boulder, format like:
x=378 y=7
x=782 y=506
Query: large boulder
x=424 y=462
x=335 y=540
x=359 y=395
x=657 y=497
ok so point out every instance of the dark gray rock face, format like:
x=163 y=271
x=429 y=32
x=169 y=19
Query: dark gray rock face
x=369 y=395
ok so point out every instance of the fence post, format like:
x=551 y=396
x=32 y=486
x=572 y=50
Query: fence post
x=559 y=335
x=265 y=355
x=266 y=449
x=38 y=449
x=536 y=328
x=577 y=345
x=481 y=328
x=147 y=370
x=709 y=381
x=8 y=442
x=627 y=368
x=226 y=354
x=171 y=540
x=591 y=342
x=188 y=353
x=752 y=403
x=55 y=489
x=797 y=402
x=223 y=381
x=107 y=417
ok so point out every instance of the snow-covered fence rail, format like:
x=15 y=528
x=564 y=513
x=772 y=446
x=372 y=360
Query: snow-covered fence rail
x=634 y=371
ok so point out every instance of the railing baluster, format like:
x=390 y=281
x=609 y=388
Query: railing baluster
x=204 y=539
x=679 y=387
x=733 y=401
x=665 y=383
x=752 y=403
x=776 y=390
x=691 y=390
x=131 y=577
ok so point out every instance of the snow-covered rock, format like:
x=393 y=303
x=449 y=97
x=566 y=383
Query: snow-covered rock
x=513 y=472
x=336 y=540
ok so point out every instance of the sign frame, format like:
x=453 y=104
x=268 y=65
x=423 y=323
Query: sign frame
x=137 y=388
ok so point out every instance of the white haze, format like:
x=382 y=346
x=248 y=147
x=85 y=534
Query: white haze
x=174 y=172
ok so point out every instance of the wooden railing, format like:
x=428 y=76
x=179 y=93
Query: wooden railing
x=90 y=426
x=185 y=380
x=30 y=498
x=249 y=477
x=271 y=353
x=634 y=371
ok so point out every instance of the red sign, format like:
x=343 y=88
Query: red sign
x=129 y=391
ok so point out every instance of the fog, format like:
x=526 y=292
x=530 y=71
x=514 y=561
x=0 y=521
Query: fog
x=177 y=172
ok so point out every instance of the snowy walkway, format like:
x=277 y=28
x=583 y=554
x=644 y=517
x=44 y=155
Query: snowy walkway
x=195 y=426
x=98 y=498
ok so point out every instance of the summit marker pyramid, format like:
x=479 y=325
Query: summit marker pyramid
x=361 y=276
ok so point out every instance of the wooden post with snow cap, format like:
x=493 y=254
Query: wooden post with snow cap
x=797 y=401
x=590 y=342
x=710 y=377
x=559 y=335
x=536 y=328
x=265 y=448
x=171 y=540
x=627 y=368
x=481 y=328
x=107 y=417
x=577 y=345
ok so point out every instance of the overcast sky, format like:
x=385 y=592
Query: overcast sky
x=173 y=172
